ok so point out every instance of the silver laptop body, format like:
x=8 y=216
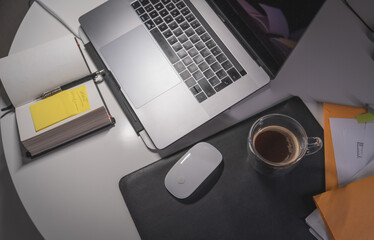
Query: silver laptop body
x=152 y=78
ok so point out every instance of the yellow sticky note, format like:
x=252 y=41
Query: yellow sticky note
x=59 y=107
x=366 y=117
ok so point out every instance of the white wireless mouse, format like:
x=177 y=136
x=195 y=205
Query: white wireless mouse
x=192 y=169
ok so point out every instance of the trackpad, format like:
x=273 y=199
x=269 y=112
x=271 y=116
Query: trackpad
x=139 y=66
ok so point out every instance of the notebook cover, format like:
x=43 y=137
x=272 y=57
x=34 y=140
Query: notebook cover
x=235 y=202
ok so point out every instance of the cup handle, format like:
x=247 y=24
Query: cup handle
x=314 y=145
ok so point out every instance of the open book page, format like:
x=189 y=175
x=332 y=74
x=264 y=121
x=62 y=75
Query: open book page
x=27 y=74
x=25 y=122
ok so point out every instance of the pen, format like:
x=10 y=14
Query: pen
x=72 y=84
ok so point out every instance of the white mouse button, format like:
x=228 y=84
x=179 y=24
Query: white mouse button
x=192 y=169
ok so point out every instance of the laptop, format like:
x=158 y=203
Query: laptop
x=180 y=63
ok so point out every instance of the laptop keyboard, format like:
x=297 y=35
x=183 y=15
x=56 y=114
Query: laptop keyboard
x=200 y=58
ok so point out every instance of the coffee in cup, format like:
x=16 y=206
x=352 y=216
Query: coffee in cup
x=276 y=143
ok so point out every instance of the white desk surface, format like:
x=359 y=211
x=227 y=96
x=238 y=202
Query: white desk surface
x=73 y=193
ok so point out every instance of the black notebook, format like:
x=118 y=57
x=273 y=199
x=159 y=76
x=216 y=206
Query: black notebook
x=235 y=202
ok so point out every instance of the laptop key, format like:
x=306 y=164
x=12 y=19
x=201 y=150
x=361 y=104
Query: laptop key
x=210 y=59
x=203 y=66
x=149 y=24
x=192 y=67
x=163 y=12
x=215 y=66
x=177 y=47
x=144 y=17
x=210 y=44
x=172 y=40
x=135 y=5
x=187 y=45
x=153 y=14
x=168 y=19
x=190 y=82
x=221 y=74
x=179 y=66
x=209 y=91
x=179 y=19
x=198 y=59
x=197 y=75
x=140 y=11
x=205 y=37
x=185 y=74
x=170 y=6
x=158 y=20
x=154 y=1
x=185 y=11
x=216 y=51
x=195 y=24
x=165 y=1
x=226 y=65
x=184 y=25
x=195 y=89
x=221 y=58
x=214 y=80
x=144 y=2
x=194 y=39
x=189 y=32
x=163 y=27
x=209 y=74
x=149 y=7
x=180 y=5
x=173 y=25
x=182 y=38
x=200 y=30
x=224 y=83
x=187 y=60
x=182 y=53
x=190 y=18
x=175 y=13
x=200 y=97
x=168 y=33
x=159 y=6
x=233 y=74
x=173 y=58
x=177 y=32
x=200 y=45
x=205 y=52
x=192 y=52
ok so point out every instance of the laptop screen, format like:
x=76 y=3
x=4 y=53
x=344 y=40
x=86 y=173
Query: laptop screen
x=268 y=29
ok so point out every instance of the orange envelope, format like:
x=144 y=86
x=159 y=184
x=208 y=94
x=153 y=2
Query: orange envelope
x=334 y=111
x=348 y=212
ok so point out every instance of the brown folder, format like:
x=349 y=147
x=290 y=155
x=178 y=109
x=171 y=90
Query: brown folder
x=348 y=212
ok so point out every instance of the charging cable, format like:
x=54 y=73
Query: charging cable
x=55 y=15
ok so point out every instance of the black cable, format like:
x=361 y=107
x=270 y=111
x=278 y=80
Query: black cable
x=55 y=15
x=8 y=107
x=11 y=110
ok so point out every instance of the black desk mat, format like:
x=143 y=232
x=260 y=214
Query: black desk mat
x=235 y=202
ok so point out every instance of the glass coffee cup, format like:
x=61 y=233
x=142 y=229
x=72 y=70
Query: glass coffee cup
x=276 y=143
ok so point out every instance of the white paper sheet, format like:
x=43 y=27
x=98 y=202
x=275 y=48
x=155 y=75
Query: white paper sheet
x=353 y=146
x=27 y=74
x=315 y=222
